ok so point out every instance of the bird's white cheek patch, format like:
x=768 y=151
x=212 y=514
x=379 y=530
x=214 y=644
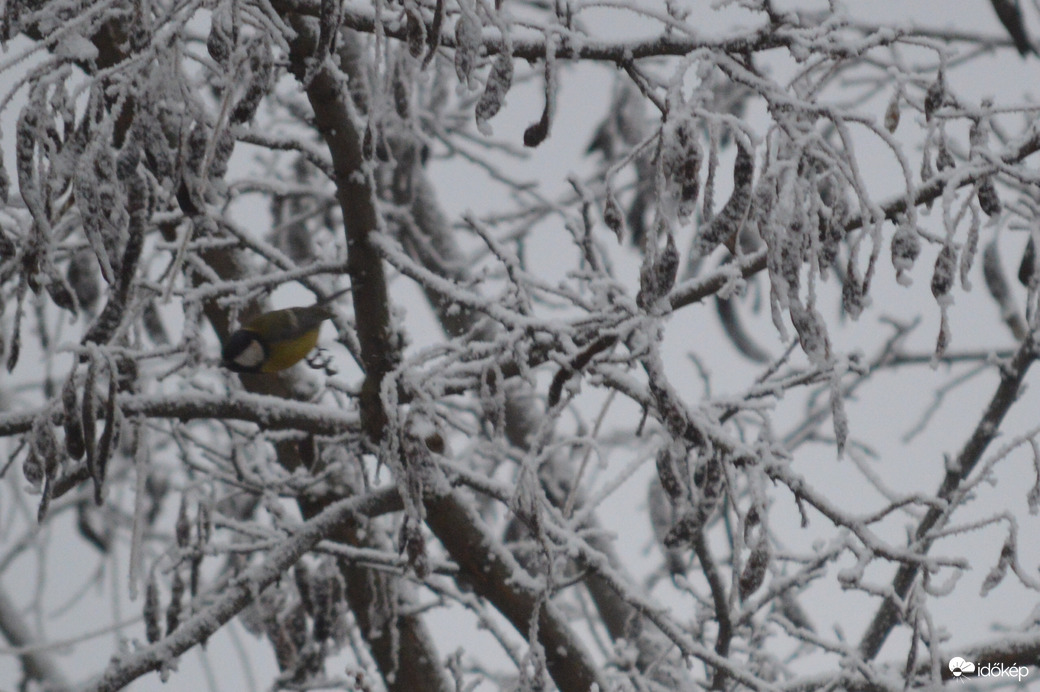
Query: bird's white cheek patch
x=252 y=356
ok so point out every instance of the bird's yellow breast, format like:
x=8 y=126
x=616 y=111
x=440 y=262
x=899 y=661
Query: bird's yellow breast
x=285 y=354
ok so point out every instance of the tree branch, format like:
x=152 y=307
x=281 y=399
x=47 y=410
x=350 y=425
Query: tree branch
x=410 y=663
x=239 y=593
x=1011 y=378
x=269 y=412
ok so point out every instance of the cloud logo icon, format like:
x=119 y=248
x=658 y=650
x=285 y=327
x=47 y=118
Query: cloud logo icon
x=959 y=667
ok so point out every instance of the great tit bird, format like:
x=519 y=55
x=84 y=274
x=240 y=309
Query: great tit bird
x=278 y=339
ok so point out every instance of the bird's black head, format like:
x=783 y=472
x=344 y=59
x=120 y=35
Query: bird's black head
x=244 y=352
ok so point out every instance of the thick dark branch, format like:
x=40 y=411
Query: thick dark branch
x=588 y=556
x=332 y=118
x=497 y=576
x=1012 y=376
x=402 y=647
x=439 y=253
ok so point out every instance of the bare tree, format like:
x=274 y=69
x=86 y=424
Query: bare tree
x=471 y=452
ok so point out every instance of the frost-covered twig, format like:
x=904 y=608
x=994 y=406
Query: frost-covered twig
x=242 y=591
x=1011 y=378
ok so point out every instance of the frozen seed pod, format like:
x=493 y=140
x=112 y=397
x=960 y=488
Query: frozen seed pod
x=968 y=252
x=499 y=81
x=182 y=529
x=892 y=113
x=259 y=82
x=944 y=159
x=32 y=469
x=725 y=225
x=671 y=470
x=657 y=278
x=754 y=573
x=173 y=609
x=60 y=291
x=222 y=34
x=906 y=246
x=927 y=171
x=944 y=274
x=989 y=201
x=45 y=444
x=402 y=90
x=613 y=216
x=811 y=333
x=680 y=162
x=853 y=291
x=415 y=31
x=467 y=47
x=934 y=97
x=82 y=275
x=71 y=421
x=152 y=626
x=1027 y=267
